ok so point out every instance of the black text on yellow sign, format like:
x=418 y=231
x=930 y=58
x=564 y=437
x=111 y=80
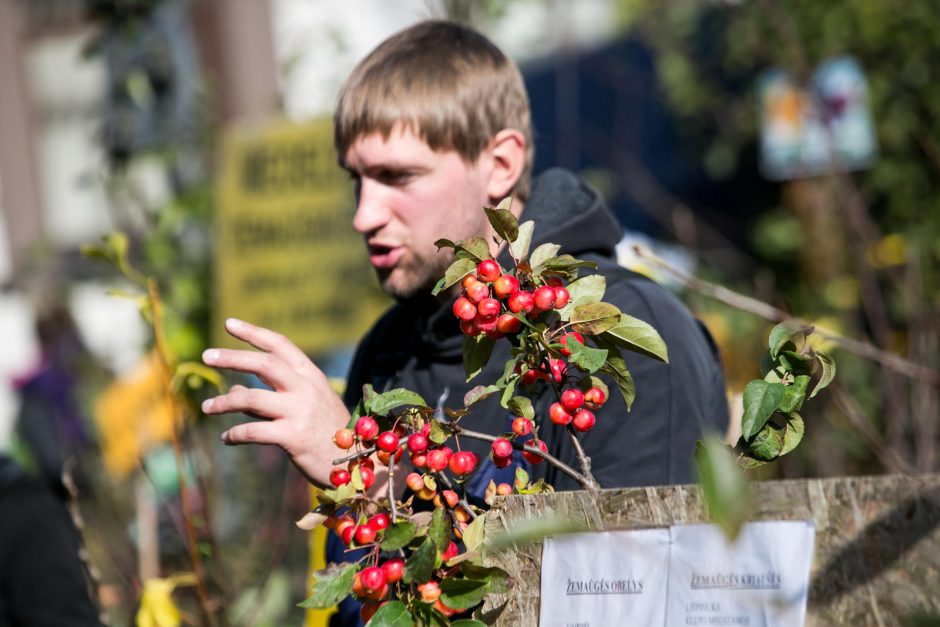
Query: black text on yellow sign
x=287 y=257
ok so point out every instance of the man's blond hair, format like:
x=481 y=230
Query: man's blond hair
x=447 y=83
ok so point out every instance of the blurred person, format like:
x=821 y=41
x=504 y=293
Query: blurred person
x=43 y=581
x=432 y=126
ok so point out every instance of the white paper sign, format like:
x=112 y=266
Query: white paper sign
x=597 y=579
x=682 y=575
x=760 y=580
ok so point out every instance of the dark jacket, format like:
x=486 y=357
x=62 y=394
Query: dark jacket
x=417 y=345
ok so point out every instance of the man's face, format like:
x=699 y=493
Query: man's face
x=409 y=196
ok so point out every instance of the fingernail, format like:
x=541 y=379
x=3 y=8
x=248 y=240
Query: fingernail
x=210 y=355
x=233 y=323
x=207 y=405
x=224 y=437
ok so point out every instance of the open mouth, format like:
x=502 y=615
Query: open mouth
x=384 y=257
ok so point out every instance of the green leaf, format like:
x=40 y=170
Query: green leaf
x=588 y=359
x=454 y=274
x=392 y=614
x=794 y=394
x=480 y=392
x=787 y=331
x=473 y=534
x=793 y=433
x=594 y=318
x=467 y=622
x=617 y=368
x=587 y=383
x=356 y=479
x=438 y=433
x=522 y=406
x=339 y=495
x=724 y=486
x=462 y=594
x=473 y=248
x=522 y=478
x=640 y=337
x=760 y=400
x=439 y=529
x=398 y=535
x=520 y=247
x=387 y=401
x=476 y=352
x=444 y=243
x=504 y=223
x=768 y=443
x=541 y=253
x=331 y=585
x=563 y=264
x=828 y=372
x=508 y=391
x=420 y=565
x=368 y=396
x=792 y=361
x=583 y=291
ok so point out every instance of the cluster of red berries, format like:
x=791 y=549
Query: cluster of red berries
x=575 y=406
x=479 y=305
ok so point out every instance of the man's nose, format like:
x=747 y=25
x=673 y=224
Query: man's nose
x=371 y=212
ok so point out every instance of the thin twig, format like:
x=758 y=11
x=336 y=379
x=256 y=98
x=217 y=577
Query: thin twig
x=463 y=499
x=391 y=489
x=586 y=483
x=769 y=312
x=582 y=457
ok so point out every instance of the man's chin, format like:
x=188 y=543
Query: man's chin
x=403 y=286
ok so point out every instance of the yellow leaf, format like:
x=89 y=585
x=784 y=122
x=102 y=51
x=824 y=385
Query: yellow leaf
x=157 y=608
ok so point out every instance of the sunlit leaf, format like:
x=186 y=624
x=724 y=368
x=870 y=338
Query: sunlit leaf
x=793 y=433
x=543 y=252
x=387 y=401
x=787 y=331
x=462 y=594
x=794 y=394
x=827 y=373
x=768 y=443
x=473 y=534
x=473 y=248
x=640 y=337
x=455 y=273
x=331 y=585
x=594 y=318
x=392 y=614
x=724 y=486
x=522 y=406
x=504 y=223
x=761 y=399
x=520 y=247
x=583 y=291
x=479 y=393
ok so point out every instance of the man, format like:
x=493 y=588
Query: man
x=433 y=125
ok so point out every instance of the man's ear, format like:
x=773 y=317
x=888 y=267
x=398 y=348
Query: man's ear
x=508 y=152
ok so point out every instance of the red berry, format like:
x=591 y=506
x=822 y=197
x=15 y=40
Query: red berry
x=379 y=521
x=508 y=323
x=572 y=399
x=478 y=291
x=529 y=377
x=365 y=534
x=559 y=415
x=342 y=523
x=450 y=552
x=367 y=428
x=557 y=367
x=464 y=309
x=595 y=397
x=502 y=462
x=394 y=569
x=368 y=610
x=347 y=533
x=344 y=438
x=521 y=426
x=564 y=342
x=372 y=579
x=532 y=458
x=545 y=298
x=437 y=460
x=387 y=441
x=340 y=476
x=504 y=489
x=415 y=482
x=521 y=302
x=561 y=297
x=385 y=457
x=430 y=591
x=554 y=281
x=505 y=285
x=488 y=307
x=488 y=270
x=417 y=443
x=468 y=280
x=485 y=324
x=469 y=327
x=583 y=420
x=419 y=460
x=502 y=447
x=451 y=498
x=364 y=462
x=368 y=476
x=462 y=463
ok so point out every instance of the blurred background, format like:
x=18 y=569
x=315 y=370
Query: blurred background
x=788 y=151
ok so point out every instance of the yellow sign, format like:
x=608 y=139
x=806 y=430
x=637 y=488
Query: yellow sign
x=132 y=415
x=287 y=257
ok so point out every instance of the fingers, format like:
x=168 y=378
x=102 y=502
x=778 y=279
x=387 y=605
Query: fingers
x=263 y=403
x=274 y=343
x=254 y=433
x=266 y=366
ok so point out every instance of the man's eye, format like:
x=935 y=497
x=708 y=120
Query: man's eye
x=393 y=177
